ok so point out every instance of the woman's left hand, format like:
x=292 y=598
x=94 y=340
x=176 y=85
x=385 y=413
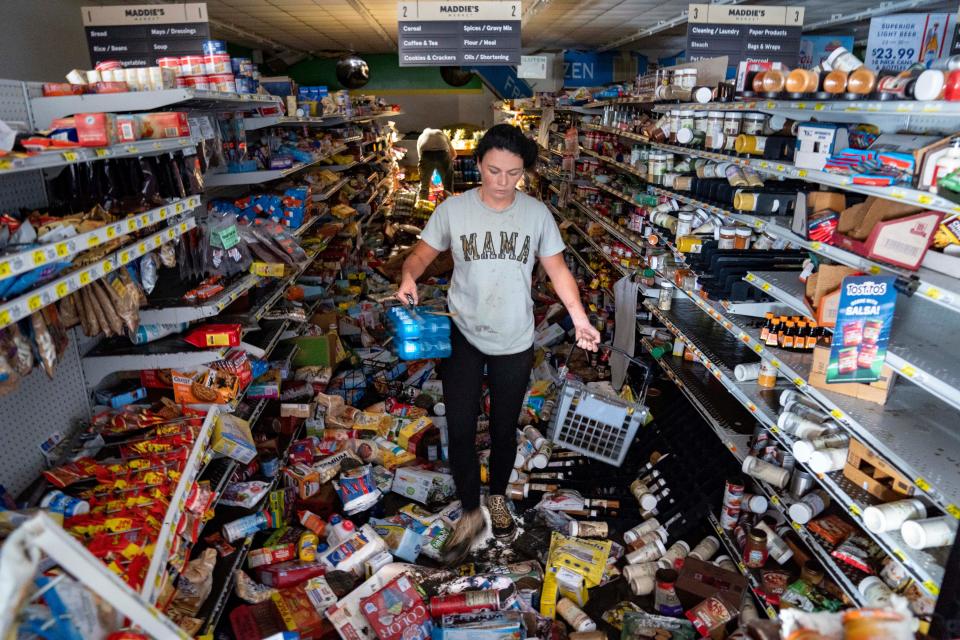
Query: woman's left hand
x=588 y=338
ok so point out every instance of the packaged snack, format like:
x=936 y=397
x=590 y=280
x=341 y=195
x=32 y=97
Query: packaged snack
x=232 y=438
x=248 y=590
x=244 y=494
x=397 y=612
x=214 y=335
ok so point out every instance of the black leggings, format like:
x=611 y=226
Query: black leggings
x=462 y=375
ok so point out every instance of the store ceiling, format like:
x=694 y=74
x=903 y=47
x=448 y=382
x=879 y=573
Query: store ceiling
x=316 y=26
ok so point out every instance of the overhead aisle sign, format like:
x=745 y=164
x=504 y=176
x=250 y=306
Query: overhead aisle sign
x=744 y=32
x=138 y=34
x=471 y=34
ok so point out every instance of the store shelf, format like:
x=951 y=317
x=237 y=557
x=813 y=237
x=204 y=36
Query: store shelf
x=322 y=197
x=735 y=555
x=917 y=337
x=910 y=410
x=191 y=313
x=22 y=306
x=718 y=352
x=355 y=163
x=901 y=416
x=254 y=123
x=46 y=109
x=119 y=354
x=64 y=157
x=834 y=111
x=620 y=165
x=214 y=180
x=593 y=244
x=732 y=423
x=15 y=263
x=904 y=194
x=644 y=99
x=617 y=132
x=156 y=573
x=614 y=229
x=615 y=192
x=935 y=287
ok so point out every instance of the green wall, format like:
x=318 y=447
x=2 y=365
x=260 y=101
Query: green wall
x=386 y=76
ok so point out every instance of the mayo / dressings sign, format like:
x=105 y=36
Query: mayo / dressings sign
x=862 y=331
x=896 y=42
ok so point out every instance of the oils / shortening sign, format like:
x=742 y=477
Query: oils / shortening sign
x=477 y=33
x=744 y=32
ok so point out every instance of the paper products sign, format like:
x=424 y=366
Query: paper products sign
x=899 y=41
x=862 y=331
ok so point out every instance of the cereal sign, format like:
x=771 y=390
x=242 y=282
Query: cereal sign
x=863 y=329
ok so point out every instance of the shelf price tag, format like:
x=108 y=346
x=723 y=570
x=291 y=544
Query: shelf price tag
x=775 y=499
x=766 y=286
x=34 y=302
x=874 y=269
x=908 y=371
x=62 y=249
x=836 y=413
x=931 y=588
x=131 y=225
x=70 y=156
x=62 y=290
x=854 y=510
x=757 y=348
x=900 y=554
x=922 y=484
x=84 y=278
x=111 y=231
x=5 y=318
x=953 y=510
x=39 y=257
x=102 y=153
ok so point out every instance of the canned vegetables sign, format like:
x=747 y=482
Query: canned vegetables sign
x=862 y=331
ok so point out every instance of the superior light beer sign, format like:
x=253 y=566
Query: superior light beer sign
x=743 y=32
x=471 y=34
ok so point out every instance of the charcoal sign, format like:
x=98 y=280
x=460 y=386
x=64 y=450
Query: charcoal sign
x=744 y=32
x=481 y=33
x=136 y=35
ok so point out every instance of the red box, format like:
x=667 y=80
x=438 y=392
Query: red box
x=167 y=124
x=902 y=242
x=397 y=612
x=289 y=574
x=96 y=129
x=279 y=547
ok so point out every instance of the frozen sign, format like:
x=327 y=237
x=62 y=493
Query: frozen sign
x=862 y=332
x=896 y=42
x=481 y=33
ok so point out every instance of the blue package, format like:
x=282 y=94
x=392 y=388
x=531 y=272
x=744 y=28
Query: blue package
x=25 y=281
x=860 y=337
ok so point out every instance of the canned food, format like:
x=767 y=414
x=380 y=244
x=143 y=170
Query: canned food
x=223 y=82
x=217 y=63
x=59 y=502
x=108 y=64
x=200 y=83
x=465 y=602
x=169 y=62
x=212 y=47
x=192 y=66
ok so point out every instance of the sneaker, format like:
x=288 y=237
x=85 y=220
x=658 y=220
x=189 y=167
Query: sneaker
x=465 y=532
x=501 y=520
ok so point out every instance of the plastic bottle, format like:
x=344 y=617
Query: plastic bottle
x=574 y=616
x=423 y=349
x=890 y=516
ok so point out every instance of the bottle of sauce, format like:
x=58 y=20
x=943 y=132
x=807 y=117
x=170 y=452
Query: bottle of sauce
x=755 y=550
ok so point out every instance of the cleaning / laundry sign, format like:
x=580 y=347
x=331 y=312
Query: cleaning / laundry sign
x=479 y=33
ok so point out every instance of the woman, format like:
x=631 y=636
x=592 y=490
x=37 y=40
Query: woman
x=495 y=233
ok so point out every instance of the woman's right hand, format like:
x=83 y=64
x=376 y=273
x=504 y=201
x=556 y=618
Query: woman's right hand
x=408 y=290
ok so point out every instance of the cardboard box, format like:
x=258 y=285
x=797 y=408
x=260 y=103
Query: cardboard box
x=296 y=410
x=823 y=293
x=232 y=438
x=699 y=580
x=164 y=124
x=877 y=392
x=281 y=546
x=893 y=232
x=874 y=475
x=397 y=611
x=817 y=141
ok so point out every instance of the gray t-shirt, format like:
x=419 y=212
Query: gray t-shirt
x=493 y=258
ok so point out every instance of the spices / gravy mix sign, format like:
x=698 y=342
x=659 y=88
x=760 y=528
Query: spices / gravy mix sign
x=860 y=337
x=743 y=32
x=137 y=35
x=483 y=33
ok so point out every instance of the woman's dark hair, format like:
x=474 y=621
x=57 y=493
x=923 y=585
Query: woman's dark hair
x=507 y=137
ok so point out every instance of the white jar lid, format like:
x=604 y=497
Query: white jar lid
x=801 y=512
x=642 y=586
x=929 y=85
x=758 y=504
x=648 y=501
x=914 y=534
x=802 y=450
x=874 y=519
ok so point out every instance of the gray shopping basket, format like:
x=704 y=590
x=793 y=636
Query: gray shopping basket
x=596 y=425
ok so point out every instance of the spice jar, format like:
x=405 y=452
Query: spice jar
x=732 y=122
x=665 y=597
x=674 y=124
x=684 y=224
x=742 y=239
x=754 y=123
x=714 y=127
x=665 y=297
x=727 y=238
x=755 y=551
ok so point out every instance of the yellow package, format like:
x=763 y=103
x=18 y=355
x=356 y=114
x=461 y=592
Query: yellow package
x=412 y=431
x=548 y=596
x=587 y=558
x=367 y=421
